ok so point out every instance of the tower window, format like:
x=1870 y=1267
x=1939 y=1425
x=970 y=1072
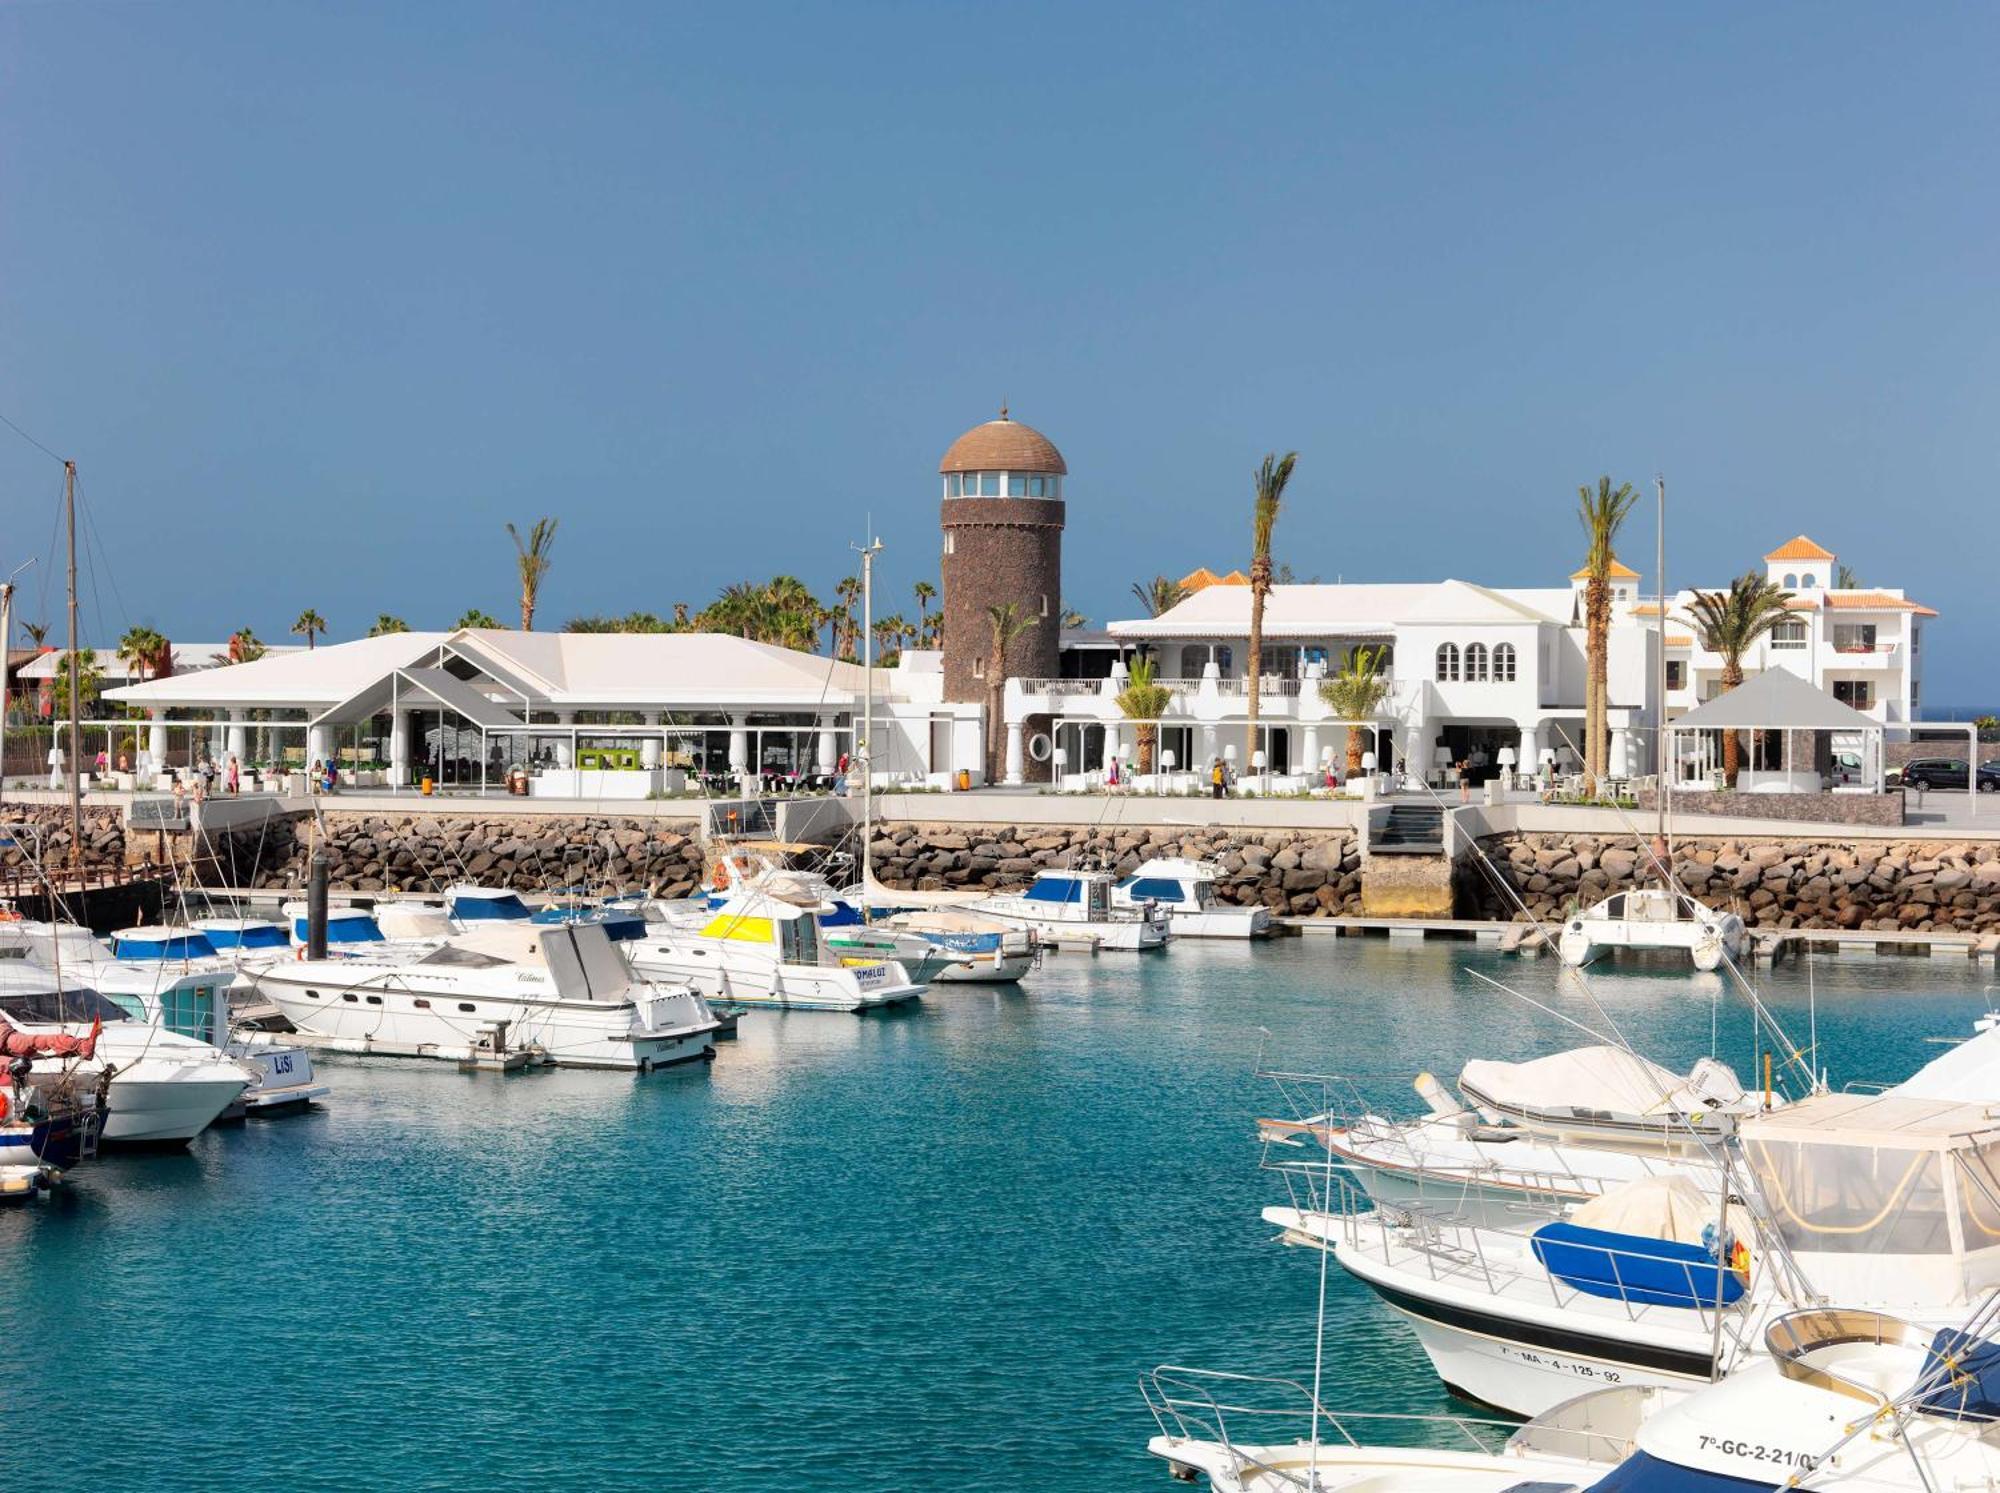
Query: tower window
x=1045 y=603
x=989 y=484
x=951 y=485
x=1017 y=486
x=950 y=543
x=978 y=666
x=1036 y=486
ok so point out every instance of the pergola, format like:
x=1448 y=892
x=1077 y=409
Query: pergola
x=1779 y=700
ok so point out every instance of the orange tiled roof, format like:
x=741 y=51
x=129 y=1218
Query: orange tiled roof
x=1799 y=548
x=1202 y=579
x=1645 y=609
x=1877 y=601
x=1619 y=571
x=1679 y=640
x=1802 y=604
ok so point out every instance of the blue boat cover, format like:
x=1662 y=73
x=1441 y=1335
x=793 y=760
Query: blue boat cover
x=349 y=927
x=1055 y=889
x=1640 y=1473
x=173 y=946
x=841 y=915
x=506 y=908
x=618 y=922
x=1631 y=1267
x=1153 y=888
x=254 y=936
x=1971 y=1388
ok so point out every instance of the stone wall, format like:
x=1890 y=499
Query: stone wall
x=1301 y=873
x=1793 y=884
x=416 y=852
x=1816 y=808
x=103 y=835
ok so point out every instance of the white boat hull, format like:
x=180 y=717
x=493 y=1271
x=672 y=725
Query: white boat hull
x=1128 y=935
x=1221 y=922
x=165 y=1111
x=384 y=1019
x=732 y=978
x=986 y=969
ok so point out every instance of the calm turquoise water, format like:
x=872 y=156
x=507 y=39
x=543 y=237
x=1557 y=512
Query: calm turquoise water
x=927 y=1251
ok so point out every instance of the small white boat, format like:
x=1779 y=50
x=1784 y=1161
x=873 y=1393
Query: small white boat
x=1651 y=918
x=1609 y=1096
x=1186 y=889
x=982 y=950
x=757 y=950
x=1061 y=906
x=164 y=1088
x=561 y=993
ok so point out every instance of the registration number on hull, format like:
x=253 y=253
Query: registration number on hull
x=1575 y=1368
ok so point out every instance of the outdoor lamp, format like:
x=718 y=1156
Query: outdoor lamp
x=1062 y=760
x=1442 y=756
x=1367 y=761
x=1229 y=753
x=1257 y=760
x=1506 y=758
x=1167 y=761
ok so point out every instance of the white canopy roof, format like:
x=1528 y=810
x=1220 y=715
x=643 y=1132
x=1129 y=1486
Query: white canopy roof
x=1347 y=611
x=1966 y=1074
x=1776 y=699
x=1883 y=1121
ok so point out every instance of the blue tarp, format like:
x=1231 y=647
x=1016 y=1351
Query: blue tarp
x=1640 y=1473
x=1971 y=1389
x=507 y=909
x=349 y=927
x=173 y=946
x=255 y=936
x=1631 y=1267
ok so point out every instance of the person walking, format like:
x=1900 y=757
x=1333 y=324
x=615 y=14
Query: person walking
x=1464 y=781
x=235 y=775
x=1217 y=780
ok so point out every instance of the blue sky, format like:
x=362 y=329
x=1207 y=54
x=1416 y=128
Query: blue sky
x=321 y=295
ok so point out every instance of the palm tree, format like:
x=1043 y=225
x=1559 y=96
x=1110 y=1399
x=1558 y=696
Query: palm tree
x=79 y=670
x=1601 y=512
x=1006 y=623
x=1271 y=479
x=150 y=653
x=925 y=593
x=849 y=592
x=1072 y=619
x=310 y=623
x=1355 y=694
x=1844 y=579
x=533 y=561
x=474 y=617
x=386 y=624
x=1728 y=622
x=1145 y=701
x=38 y=633
x=1161 y=594
x=244 y=648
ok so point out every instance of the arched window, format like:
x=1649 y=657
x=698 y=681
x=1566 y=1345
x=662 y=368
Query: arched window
x=1791 y=583
x=1503 y=662
x=1447 y=661
x=1475 y=661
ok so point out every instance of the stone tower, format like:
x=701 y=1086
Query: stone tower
x=1003 y=525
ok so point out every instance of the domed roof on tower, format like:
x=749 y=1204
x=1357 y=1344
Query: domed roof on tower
x=1004 y=445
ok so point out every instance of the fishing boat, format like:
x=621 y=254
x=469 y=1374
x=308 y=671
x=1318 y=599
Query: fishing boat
x=1061 y=905
x=1843 y=1398
x=161 y=1088
x=560 y=994
x=1651 y=918
x=1185 y=888
x=757 y=951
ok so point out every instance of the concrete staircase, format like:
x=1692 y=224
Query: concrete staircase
x=1409 y=829
x=1405 y=872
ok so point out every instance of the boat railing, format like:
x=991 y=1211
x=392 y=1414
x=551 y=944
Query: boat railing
x=1249 y=1414
x=1789 y=1338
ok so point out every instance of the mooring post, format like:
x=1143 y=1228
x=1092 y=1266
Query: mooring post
x=316 y=907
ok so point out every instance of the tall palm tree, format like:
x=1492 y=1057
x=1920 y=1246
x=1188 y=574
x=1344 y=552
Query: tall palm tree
x=1161 y=594
x=849 y=591
x=311 y=624
x=148 y=650
x=1355 y=694
x=38 y=633
x=532 y=558
x=1601 y=512
x=79 y=671
x=1144 y=700
x=1005 y=623
x=244 y=647
x=1271 y=479
x=386 y=624
x=925 y=593
x=1728 y=622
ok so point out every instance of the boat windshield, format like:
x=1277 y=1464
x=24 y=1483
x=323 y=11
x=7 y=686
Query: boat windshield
x=49 y=1007
x=1153 y=889
x=460 y=958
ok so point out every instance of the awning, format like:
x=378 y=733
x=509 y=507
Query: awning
x=441 y=688
x=1775 y=700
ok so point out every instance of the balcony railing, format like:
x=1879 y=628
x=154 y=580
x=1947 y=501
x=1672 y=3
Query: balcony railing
x=1063 y=686
x=1268 y=684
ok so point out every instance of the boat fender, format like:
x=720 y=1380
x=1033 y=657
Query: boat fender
x=300 y=952
x=1436 y=1097
x=6 y=1106
x=719 y=877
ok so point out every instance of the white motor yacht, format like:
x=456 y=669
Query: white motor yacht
x=1883 y=1201
x=1842 y=1399
x=1076 y=905
x=981 y=950
x=1651 y=918
x=560 y=992
x=1186 y=889
x=164 y=1088
x=757 y=950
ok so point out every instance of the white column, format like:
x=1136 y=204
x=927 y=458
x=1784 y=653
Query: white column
x=1621 y=741
x=1311 y=763
x=1113 y=746
x=239 y=739
x=650 y=747
x=1016 y=765
x=827 y=748
x=316 y=745
x=1417 y=750
x=156 y=734
x=565 y=743
x=1209 y=750
x=399 y=748
x=739 y=745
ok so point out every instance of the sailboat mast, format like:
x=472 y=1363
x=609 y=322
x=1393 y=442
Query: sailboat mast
x=866 y=747
x=1660 y=789
x=74 y=665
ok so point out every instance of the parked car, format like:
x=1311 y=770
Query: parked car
x=1948 y=772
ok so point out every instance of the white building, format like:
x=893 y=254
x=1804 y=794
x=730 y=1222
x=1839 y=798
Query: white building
x=1477 y=673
